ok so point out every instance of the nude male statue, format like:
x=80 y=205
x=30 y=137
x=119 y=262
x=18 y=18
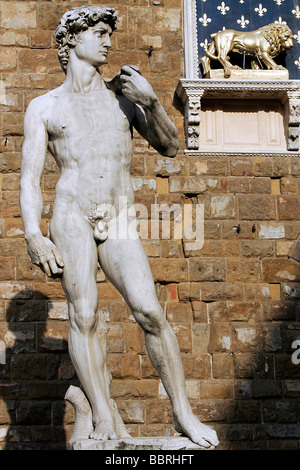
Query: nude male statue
x=86 y=123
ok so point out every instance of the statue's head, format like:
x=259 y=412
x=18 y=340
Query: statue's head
x=280 y=37
x=75 y=22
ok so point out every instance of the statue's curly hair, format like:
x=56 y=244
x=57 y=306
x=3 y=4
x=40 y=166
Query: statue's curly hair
x=76 y=20
x=273 y=33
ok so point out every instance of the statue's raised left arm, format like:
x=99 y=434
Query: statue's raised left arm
x=151 y=120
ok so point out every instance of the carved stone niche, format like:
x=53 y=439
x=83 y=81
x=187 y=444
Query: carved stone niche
x=244 y=116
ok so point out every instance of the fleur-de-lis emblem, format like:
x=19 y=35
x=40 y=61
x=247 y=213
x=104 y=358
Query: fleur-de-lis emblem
x=280 y=21
x=205 y=20
x=297 y=36
x=297 y=62
x=223 y=8
x=204 y=44
x=260 y=10
x=296 y=12
x=243 y=22
x=279 y=2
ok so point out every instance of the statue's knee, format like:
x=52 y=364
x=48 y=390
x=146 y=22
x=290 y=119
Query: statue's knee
x=85 y=320
x=151 y=320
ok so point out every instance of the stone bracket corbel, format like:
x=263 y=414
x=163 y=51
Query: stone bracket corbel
x=191 y=100
x=293 y=125
x=192 y=120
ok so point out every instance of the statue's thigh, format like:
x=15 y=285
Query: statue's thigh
x=73 y=237
x=126 y=265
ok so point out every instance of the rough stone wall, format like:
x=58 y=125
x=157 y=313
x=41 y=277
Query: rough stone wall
x=233 y=304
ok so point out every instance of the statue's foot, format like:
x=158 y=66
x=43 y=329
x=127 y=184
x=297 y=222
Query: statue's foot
x=199 y=433
x=104 y=430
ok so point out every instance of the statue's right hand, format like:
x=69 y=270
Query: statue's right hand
x=44 y=254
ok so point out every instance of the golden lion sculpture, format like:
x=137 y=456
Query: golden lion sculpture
x=263 y=44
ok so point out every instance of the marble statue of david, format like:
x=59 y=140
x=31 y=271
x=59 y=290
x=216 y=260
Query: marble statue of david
x=86 y=123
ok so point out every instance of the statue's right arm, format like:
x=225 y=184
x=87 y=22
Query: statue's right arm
x=40 y=249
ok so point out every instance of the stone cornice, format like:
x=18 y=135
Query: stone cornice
x=206 y=88
x=206 y=153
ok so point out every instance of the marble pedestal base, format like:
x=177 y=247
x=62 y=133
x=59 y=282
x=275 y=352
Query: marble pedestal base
x=138 y=443
x=249 y=74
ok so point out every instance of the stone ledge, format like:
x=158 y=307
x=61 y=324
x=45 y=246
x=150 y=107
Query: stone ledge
x=232 y=153
x=250 y=88
x=248 y=74
x=138 y=443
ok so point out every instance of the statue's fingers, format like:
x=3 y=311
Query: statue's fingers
x=58 y=257
x=123 y=79
x=46 y=268
x=53 y=266
x=129 y=68
x=126 y=70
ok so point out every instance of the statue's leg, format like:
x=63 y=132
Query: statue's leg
x=126 y=266
x=73 y=236
x=269 y=62
x=223 y=47
x=205 y=64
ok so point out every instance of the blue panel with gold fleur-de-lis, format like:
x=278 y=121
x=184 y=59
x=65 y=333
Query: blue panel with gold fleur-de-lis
x=248 y=15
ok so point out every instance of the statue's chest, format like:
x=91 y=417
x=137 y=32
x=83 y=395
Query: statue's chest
x=79 y=115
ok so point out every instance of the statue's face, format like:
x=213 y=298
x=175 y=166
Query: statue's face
x=94 y=43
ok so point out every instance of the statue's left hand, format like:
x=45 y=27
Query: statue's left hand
x=136 y=88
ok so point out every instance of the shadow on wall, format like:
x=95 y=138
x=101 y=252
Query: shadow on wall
x=34 y=378
x=261 y=374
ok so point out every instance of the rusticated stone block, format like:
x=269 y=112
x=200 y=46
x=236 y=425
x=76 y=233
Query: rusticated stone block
x=220 y=337
x=221 y=291
x=8 y=59
x=216 y=389
x=223 y=366
x=278 y=270
x=7 y=268
x=39 y=61
x=239 y=270
x=134 y=338
x=18 y=16
x=223 y=207
x=241 y=166
x=129 y=389
x=184 y=336
x=197 y=366
x=266 y=388
x=179 y=312
x=256 y=207
x=147 y=369
x=30 y=365
x=257 y=248
x=282 y=411
x=199 y=311
x=115 y=338
x=288 y=207
x=206 y=269
x=246 y=337
x=200 y=337
x=169 y=270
